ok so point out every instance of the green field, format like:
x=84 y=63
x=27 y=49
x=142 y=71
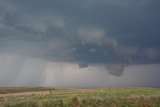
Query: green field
x=98 y=97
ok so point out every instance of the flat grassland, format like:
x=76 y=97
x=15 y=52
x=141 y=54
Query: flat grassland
x=96 y=97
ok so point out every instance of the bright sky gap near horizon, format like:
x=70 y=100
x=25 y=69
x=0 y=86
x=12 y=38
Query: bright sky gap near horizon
x=80 y=43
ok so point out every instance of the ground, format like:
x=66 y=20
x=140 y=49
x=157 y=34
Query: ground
x=95 y=97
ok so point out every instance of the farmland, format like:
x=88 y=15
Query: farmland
x=95 y=97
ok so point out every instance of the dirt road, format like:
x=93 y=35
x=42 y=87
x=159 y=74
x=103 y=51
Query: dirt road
x=25 y=94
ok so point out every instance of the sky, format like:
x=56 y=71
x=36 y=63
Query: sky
x=80 y=43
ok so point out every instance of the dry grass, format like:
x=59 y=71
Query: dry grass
x=117 y=97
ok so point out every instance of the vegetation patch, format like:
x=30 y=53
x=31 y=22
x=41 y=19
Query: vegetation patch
x=117 y=97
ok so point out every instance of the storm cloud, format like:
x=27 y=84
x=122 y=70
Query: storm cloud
x=108 y=35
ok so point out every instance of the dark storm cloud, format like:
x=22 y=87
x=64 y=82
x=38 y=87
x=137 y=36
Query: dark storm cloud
x=82 y=31
x=116 y=70
x=83 y=65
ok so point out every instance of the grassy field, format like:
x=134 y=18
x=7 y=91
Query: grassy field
x=99 y=97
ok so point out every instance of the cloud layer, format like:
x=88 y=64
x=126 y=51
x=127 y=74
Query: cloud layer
x=118 y=31
x=112 y=33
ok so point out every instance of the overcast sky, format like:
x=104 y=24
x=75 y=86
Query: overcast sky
x=52 y=42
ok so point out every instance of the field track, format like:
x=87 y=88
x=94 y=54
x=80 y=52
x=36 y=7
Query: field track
x=24 y=94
